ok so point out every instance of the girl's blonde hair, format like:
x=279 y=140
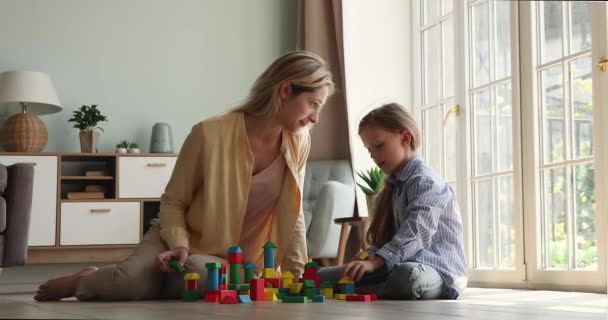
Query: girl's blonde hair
x=305 y=72
x=391 y=117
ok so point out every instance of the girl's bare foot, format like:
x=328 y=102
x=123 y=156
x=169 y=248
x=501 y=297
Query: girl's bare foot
x=63 y=287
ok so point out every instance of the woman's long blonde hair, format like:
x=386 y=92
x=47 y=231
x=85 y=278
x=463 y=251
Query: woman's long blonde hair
x=305 y=72
x=391 y=117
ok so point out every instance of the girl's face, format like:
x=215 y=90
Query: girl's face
x=302 y=109
x=389 y=149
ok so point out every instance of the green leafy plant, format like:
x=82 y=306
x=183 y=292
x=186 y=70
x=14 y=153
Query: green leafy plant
x=123 y=144
x=87 y=118
x=133 y=145
x=374 y=180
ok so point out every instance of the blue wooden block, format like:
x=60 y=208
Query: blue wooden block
x=347 y=288
x=268 y=258
x=213 y=278
x=244 y=299
x=318 y=298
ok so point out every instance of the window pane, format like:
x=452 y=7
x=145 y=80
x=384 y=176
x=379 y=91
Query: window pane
x=503 y=39
x=447 y=28
x=447 y=6
x=580 y=29
x=504 y=121
x=431 y=55
x=433 y=137
x=556 y=243
x=582 y=108
x=586 y=240
x=451 y=144
x=485 y=223
x=551 y=30
x=483 y=132
x=481 y=44
x=507 y=222
x=431 y=10
x=553 y=105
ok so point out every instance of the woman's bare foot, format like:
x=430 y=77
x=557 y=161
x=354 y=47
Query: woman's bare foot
x=63 y=287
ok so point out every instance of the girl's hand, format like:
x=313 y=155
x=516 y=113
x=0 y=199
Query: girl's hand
x=163 y=259
x=356 y=269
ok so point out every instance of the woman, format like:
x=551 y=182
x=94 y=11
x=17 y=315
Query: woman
x=238 y=180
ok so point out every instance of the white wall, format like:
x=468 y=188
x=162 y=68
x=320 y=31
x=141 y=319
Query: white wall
x=144 y=61
x=378 y=65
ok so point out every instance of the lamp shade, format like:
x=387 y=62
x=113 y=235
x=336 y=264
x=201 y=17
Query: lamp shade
x=35 y=89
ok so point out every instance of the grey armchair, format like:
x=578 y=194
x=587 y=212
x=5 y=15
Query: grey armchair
x=329 y=193
x=16 y=185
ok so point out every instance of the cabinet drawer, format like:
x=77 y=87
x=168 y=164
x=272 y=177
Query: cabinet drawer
x=96 y=223
x=44 y=198
x=144 y=177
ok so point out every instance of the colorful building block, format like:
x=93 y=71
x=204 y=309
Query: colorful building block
x=256 y=288
x=212 y=296
x=249 y=271
x=318 y=298
x=175 y=265
x=243 y=298
x=286 y=279
x=311 y=292
x=295 y=288
x=229 y=300
x=272 y=282
x=363 y=255
x=275 y=290
x=213 y=279
x=235 y=274
x=268 y=273
x=347 y=288
x=295 y=299
x=240 y=286
x=235 y=255
x=269 y=254
x=340 y=296
x=327 y=292
x=356 y=297
x=270 y=296
x=309 y=284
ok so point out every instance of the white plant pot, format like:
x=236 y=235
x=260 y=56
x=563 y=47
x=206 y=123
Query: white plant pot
x=121 y=150
x=134 y=150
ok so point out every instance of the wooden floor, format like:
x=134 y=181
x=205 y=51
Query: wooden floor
x=494 y=304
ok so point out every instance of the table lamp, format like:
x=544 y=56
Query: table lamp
x=23 y=94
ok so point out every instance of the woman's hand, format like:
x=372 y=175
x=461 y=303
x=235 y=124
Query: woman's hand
x=356 y=269
x=180 y=254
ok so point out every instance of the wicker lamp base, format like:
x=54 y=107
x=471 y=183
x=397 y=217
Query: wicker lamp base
x=24 y=132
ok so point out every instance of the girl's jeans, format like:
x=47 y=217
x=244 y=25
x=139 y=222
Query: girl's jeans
x=408 y=280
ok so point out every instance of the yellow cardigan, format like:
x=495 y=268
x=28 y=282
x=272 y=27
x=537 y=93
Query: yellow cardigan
x=204 y=203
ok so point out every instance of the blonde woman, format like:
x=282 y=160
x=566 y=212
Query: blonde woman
x=237 y=181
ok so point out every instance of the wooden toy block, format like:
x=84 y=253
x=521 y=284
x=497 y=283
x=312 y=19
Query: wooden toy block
x=213 y=279
x=309 y=284
x=244 y=298
x=345 y=279
x=284 y=290
x=244 y=292
x=223 y=268
x=275 y=290
x=222 y=279
x=268 y=273
x=229 y=300
x=191 y=281
x=190 y=295
x=340 y=296
x=213 y=265
x=311 y=292
x=270 y=296
x=347 y=288
x=239 y=286
x=227 y=293
x=318 y=298
x=373 y=297
x=212 y=296
x=223 y=287
x=272 y=282
x=295 y=299
x=356 y=297
x=234 y=258
x=327 y=284
x=327 y=292
x=235 y=249
x=269 y=254
x=295 y=288
x=235 y=274
x=249 y=272
x=286 y=283
x=175 y=265
x=280 y=295
x=311 y=265
x=257 y=289
x=363 y=255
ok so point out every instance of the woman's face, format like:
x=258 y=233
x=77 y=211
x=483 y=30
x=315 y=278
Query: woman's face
x=389 y=149
x=302 y=109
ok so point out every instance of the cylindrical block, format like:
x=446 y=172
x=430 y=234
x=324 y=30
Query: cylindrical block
x=235 y=274
x=269 y=258
x=249 y=274
x=213 y=279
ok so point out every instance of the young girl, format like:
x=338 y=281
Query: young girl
x=416 y=230
x=238 y=180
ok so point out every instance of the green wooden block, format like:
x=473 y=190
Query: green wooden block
x=311 y=292
x=295 y=299
x=175 y=265
x=213 y=265
x=309 y=284
x=191 y=295
x=233 y=286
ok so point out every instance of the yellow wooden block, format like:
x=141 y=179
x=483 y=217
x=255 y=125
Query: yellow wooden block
x=363 y=255
x=275 y=290
x=327 y=292
x=270 y=296
x=345 y=279
x=286 y=283
x=340 y=296
x=268 y=273
x=296 y=287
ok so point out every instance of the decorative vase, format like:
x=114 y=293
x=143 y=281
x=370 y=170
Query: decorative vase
x=134 y=150
x=88 y=141
x=162 y=138
x=121 y=150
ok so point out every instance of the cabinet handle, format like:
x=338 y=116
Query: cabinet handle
x=157 y=164
x=100 y=210
x=32 y=163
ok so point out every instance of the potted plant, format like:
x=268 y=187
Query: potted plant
x=374 y=181
x=133 y=148
x=86 y=119
x=122 y=146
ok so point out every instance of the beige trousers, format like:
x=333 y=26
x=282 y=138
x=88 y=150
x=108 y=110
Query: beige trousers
x=139 y=277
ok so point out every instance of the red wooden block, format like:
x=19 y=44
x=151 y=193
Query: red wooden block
x=229 y=300
x=373 y=297
x=256 y=289
x=365 y=297
x=228 y=293
x=272 y=283
x=212 y=296
x=223 y=268
x=223 y=287
x=235 y=258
